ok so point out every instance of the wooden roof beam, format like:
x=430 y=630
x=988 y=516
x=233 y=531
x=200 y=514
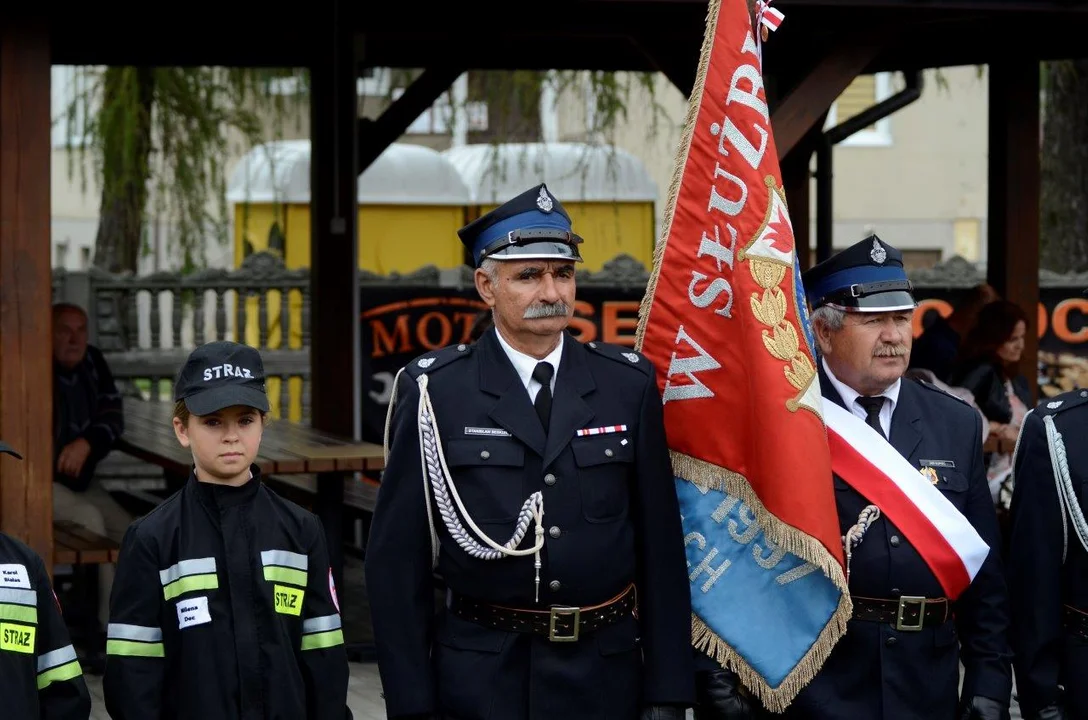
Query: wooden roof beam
x=809 y=100
x=376 y=135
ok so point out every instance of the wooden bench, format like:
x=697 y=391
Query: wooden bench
x=76 y=545
x=360 y=496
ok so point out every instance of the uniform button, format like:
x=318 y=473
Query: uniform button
x=593 y=345
x=609 y=453
x=895 y=591
x=894 y=541
x=554 y=586
x=549 y=479
x=485 y=455
x=462 y=347
x=555 y=531
x=889 y=641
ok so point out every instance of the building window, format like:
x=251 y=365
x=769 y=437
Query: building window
x=920 y=259
x=863 y=93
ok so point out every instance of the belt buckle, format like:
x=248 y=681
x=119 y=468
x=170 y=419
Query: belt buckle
x=905 y=602
x=558 y=611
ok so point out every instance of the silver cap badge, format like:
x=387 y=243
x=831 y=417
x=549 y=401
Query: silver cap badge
x=544 y=202
x=878 y=253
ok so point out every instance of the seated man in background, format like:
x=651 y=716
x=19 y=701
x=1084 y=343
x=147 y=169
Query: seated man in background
x=87 y=422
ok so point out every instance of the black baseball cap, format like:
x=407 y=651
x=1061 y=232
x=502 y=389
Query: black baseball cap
x=5 y=448
x=219 y=375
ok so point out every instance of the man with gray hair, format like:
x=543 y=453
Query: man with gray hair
x=900 y=657
x=585 y=615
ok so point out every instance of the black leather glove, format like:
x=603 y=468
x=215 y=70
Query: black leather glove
x=984 y=708
x=718 y=697
x=1051 y=712
x=662 y=712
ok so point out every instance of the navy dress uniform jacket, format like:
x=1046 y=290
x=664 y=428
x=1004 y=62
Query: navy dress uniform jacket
x=40 y=677
x=612 y=517
x=1048 y=566
x=223 y=609
x=876 y=671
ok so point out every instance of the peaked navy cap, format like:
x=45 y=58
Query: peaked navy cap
x=865 y=277
x=531 y=226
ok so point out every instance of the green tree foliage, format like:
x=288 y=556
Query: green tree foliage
x=159 y=138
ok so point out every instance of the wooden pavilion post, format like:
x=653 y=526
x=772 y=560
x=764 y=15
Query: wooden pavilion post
x=334 y=309
x=26 y=378
x=1014 y=175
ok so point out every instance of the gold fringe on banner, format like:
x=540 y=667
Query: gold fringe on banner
x=708 y=477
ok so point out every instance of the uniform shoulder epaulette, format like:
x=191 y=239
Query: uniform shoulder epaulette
x=1063 y=402
x=621 y=354
x=429 y=362
x=944 y=393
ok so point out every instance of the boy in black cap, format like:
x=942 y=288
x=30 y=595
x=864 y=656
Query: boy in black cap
x=224 y=606
x=40 y=676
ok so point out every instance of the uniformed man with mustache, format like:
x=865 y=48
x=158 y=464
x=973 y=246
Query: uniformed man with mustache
x=532 y=471
x=900 y=658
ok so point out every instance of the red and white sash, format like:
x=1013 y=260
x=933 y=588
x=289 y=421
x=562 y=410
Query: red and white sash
x=939 y=532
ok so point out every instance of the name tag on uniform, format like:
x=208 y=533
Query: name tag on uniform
x=486 y=432
x=948 y=464
x=13 y=575
x=17 y=638
x=288 y=599
x=193 y=611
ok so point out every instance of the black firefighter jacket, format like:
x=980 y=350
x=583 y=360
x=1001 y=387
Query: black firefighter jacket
x=40 y=676
x=223 y=607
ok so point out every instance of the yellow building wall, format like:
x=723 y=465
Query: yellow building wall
x=391 y=239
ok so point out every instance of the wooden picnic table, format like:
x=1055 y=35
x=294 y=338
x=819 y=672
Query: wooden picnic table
x=287 y=448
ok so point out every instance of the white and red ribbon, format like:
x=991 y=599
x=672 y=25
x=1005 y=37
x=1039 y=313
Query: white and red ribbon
x=766 y=17
x=949 y=544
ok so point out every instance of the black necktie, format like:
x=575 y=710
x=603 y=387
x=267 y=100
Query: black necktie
x=542 y=373
x=872 y=407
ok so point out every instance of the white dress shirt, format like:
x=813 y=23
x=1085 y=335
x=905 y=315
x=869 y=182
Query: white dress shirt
x=850 y=398
x=525 y=364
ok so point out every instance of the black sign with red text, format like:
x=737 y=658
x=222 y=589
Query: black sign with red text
x=401 y=323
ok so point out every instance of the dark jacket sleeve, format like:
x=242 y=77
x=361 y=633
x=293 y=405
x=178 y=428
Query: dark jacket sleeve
x=982 y=611
x=62 y=691
x=664 y=593
x=322 y=656
x=108 y=423
x=399 y=576
x=135 y=654
x=1035 y=570
x=985 y=383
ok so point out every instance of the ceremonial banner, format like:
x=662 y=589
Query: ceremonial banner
x=724 y=321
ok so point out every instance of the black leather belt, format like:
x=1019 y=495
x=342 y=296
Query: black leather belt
x=1076 y=622
x=559 y=623
x=907 y=614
